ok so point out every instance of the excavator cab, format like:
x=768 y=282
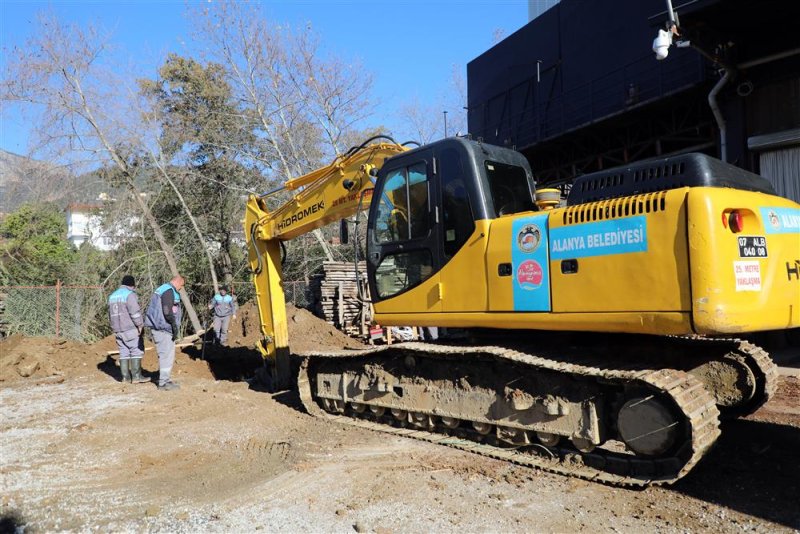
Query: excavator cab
x=428 y=204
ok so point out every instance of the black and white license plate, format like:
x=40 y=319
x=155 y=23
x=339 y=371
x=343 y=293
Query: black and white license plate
x=752 y=246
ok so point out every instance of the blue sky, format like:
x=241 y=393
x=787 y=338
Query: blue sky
x=410 y=47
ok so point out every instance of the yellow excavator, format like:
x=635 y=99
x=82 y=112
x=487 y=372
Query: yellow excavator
x=600 y=336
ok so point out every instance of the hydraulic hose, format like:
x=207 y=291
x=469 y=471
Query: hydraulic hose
x=259 y=262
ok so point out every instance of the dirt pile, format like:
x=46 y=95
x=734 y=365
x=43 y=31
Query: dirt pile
x=244 y=331
x=306 y=331
x=40 y=357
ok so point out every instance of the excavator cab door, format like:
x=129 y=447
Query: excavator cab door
x=402 y=239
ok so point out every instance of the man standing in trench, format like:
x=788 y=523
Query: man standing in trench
x=224 y=307
x=163 y=318
x=125 y=317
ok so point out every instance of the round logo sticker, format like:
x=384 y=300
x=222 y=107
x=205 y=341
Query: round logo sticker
x=529 y=274
x=773 y=220
x=528 y=238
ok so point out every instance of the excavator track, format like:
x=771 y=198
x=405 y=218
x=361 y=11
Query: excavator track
x=697 y=408
x=764 y=371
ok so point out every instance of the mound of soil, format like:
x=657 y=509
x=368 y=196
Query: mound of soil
x=40 y=357
x=48 y=358
x=244 y=331
x=307 y=332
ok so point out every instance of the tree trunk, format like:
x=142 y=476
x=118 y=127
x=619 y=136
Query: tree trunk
x=324 y=244
x=189 y=214
x=86 y=113
x=227 y=266
x=168 y=253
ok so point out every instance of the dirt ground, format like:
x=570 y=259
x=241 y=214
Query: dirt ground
x=81 y=451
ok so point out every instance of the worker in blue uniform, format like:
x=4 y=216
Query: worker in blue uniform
x=163 y=318
x=223 y=307
x=125 y=318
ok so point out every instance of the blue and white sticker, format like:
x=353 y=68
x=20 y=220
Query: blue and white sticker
x=781 y=220
x=602 y=238
x=529 y=263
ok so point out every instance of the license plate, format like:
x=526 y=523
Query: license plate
x=752 y=246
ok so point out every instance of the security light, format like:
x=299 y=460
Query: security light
x=662 y=43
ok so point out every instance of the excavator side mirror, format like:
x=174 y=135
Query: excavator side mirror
x=344 y=236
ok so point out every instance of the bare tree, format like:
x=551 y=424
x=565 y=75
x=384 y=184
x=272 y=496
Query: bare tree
x=256 y=57
x=334 y=93
x=455 y=101
x=424 y=122
x=498 y=34
x=303 y=104
x=60 y=70
x=156 y=154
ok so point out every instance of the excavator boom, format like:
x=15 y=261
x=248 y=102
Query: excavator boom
x=320 y=197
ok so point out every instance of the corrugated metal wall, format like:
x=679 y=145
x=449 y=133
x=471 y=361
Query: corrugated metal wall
x=782 y=168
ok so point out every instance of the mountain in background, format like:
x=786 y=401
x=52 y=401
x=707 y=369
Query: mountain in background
x=24 y=180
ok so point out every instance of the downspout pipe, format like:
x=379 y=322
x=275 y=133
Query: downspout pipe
x=712 y=102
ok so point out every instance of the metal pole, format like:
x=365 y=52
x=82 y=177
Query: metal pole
x=670 y=13
x=445 y=122
x=58 y=307
x=719 y=117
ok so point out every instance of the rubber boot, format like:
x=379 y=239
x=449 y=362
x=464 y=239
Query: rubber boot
x=125 y=369
x=136 y=372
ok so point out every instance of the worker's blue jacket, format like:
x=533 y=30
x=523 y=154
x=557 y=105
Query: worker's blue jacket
x=164 y=310
x=124 y=313
x=223 y=306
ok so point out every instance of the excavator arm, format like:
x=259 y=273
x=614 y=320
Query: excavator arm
x=321 y=197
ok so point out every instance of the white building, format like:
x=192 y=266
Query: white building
x=85 y=224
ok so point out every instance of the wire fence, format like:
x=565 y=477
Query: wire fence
x=81 y=312
x=71 y=312
x=299 y=294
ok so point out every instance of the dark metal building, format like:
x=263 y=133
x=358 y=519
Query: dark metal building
x=578 y=89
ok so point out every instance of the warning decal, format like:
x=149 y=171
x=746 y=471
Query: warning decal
x=748 y=275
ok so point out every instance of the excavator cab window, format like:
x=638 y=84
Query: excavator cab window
x=402 y=270
x=509 y=187
x=403 y=215
x=403 y=205
x=458 y=219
